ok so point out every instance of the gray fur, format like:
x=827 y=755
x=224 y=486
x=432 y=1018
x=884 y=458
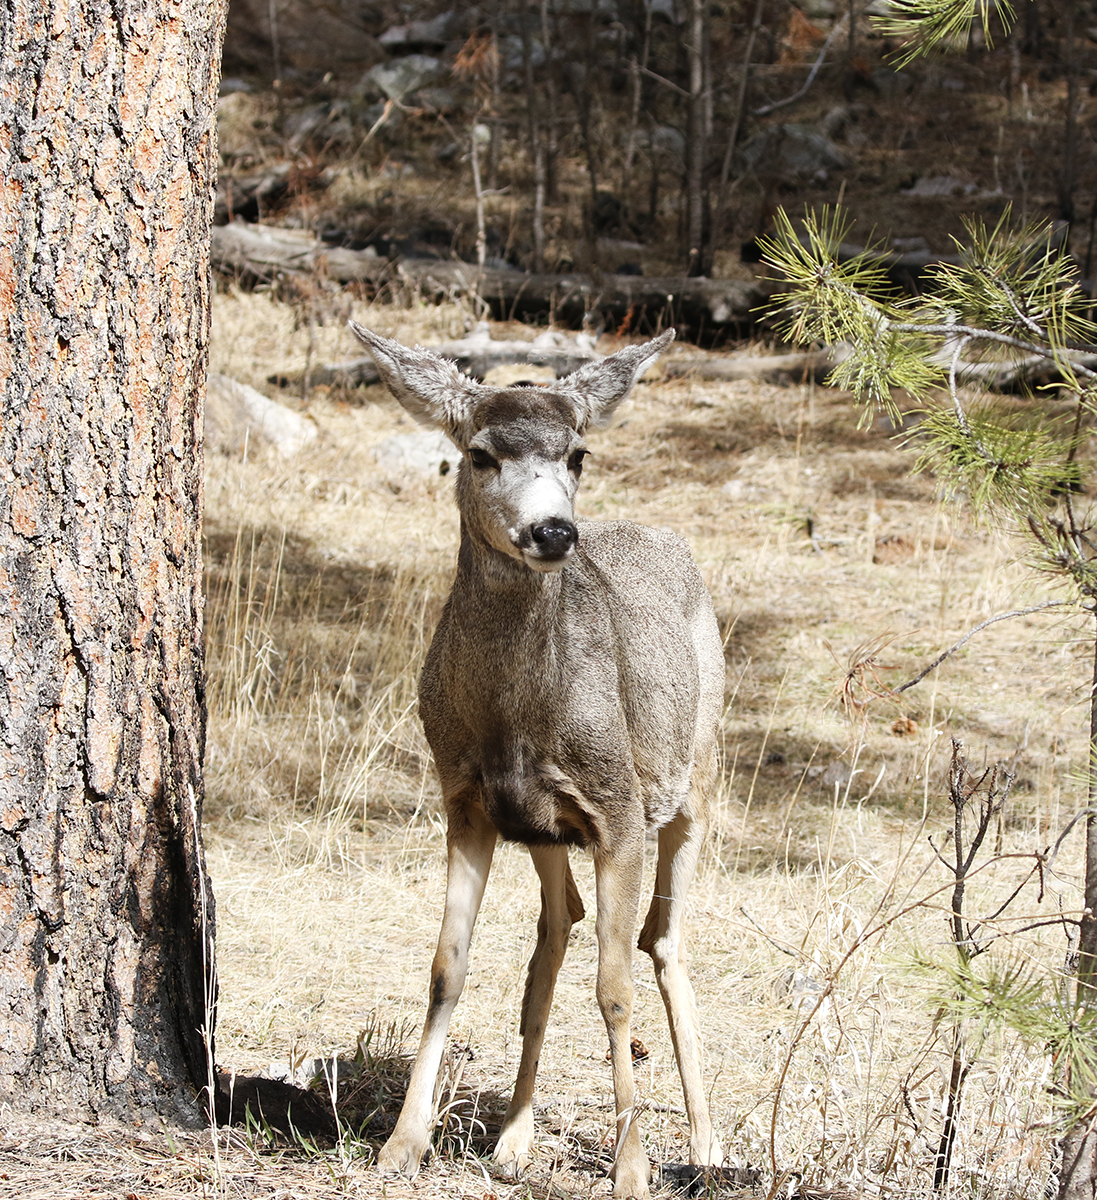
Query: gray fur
x=570 y=696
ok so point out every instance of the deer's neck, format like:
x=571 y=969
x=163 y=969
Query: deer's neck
x=497 y=600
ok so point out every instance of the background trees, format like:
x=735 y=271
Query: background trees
x=664 y=134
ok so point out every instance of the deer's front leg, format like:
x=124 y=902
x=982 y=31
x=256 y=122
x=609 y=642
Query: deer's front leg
x=470 y=845
x=560 y=905
x=617 y=872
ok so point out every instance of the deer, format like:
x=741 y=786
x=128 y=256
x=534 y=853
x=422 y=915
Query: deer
x=570 y=696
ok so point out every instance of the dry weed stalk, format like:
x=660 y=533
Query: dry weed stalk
x=990 y=792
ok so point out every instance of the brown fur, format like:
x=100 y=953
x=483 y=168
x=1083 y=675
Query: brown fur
x=571 y=695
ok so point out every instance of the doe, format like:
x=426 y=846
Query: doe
x=570 y=696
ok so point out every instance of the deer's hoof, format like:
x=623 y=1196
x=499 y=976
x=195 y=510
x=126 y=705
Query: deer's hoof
x=511 y=1167
x=630 y=1180
x=399 y=1156
x=512 y=1151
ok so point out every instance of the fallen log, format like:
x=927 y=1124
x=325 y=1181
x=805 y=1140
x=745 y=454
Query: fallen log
x=238 y=415
x=268 y=253
x=814 y=363
x=1008 y=374
x=476 y=355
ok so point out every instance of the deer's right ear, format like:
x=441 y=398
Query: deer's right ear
x=432 y=389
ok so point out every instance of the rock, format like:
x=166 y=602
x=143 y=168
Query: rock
x=668 y=141
x=836 y=775
x=891 y=85
x=441 y=99
x=375 y=112
x=605 y=9
x=311 y=36
x=802 y=989
x=668 y=10
x=792 y=151
x=305 y=1074
x=238 y=416
x=835 y=121
x=425 y=454
x=329 y=122
x=403 y=76
x=512 y=53
x=434 y=33
x=939 y=185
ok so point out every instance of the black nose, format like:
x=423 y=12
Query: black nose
x=554 y=539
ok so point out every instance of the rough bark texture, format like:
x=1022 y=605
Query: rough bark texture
x=107 y=161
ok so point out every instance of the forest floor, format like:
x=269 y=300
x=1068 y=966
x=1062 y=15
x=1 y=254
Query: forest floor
x=915 y=149
x=819 y=946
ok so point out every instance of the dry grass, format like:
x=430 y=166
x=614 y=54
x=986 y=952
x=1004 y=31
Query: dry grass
x=326 y=845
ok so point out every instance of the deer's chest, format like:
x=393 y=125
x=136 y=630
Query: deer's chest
x=545 y=751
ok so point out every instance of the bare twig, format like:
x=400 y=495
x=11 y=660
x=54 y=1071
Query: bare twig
x=666 y=82
x=768 y=108
x=774 y=944
x=1017 y=612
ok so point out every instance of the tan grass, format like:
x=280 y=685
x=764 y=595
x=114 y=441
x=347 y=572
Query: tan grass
x=327 y=848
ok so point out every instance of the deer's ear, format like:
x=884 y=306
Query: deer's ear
x=598 y=388
x=432 y=390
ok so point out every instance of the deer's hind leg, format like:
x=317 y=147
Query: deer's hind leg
x=470 y=843
x=560 y=906
x=662 y=937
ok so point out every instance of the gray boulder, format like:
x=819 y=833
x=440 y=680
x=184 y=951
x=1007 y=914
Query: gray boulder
x=434 y=32
x=402 y=76
x=792 y=152
x=423 y=454
x=237 y=416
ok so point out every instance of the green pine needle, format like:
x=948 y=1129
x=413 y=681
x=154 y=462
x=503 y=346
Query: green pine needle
x=930 y=25
x=1019 y=468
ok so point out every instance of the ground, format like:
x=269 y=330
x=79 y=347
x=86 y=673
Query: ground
x=819 y=910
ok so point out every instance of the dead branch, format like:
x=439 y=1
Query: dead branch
x=476 y=355
x=1017 y=612
x=811 y=364
x=269 y=253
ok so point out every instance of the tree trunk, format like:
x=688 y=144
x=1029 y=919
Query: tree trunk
x=1078 y=1145
x=1069 y=169
x=106 y=196
x=697 y=143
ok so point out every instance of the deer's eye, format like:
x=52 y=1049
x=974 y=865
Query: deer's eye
x=481 y=458
x=575 y=462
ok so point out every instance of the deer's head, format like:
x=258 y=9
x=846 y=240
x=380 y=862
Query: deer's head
x=522 y=447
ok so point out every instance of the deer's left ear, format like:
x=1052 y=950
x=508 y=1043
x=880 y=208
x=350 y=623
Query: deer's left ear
x=432 y=389
x=598 y=388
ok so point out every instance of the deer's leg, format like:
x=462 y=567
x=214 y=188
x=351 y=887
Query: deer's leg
x=470 y=847
x=617 y=872
x=662 y=937
x=560 y=905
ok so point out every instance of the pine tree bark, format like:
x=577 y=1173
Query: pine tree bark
x=107 y=163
